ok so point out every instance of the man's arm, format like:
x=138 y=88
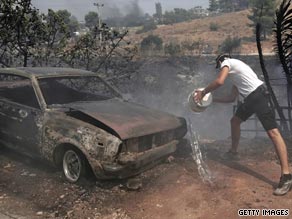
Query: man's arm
x=219 y=81
x=229 y=99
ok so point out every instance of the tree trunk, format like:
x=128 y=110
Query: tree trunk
x=25 y=57
x=289 y=97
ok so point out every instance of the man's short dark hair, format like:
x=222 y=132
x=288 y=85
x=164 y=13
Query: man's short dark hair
x=221 y=58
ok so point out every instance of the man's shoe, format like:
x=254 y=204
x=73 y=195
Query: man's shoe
x=231 y=156
x=284 y=186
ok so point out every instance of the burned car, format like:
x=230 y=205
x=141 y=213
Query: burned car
x=78 y=122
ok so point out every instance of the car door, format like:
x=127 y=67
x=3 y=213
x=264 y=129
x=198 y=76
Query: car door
x=20 y=115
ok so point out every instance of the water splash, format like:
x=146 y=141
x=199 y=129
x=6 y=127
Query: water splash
x=203 y=168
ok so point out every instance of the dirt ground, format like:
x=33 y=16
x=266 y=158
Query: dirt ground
x=31 y=190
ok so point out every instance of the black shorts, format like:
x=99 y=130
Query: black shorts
x=258 y=102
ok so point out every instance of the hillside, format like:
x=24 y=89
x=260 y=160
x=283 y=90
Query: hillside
x=234 y=24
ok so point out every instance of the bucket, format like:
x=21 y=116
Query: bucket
x=199 y=107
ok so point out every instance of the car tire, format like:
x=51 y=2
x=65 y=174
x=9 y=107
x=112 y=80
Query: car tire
x=74 y=165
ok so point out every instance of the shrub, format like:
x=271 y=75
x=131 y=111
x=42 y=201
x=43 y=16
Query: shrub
x=213 y=26
x=151 y=42
x=150 y=25
x=172 y=49
x=230 y=44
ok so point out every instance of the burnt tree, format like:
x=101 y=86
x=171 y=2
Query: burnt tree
x=21 y=28
x=103 y=50
x=283 y=37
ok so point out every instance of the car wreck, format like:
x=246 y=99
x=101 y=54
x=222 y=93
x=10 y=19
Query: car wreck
x=77 y=121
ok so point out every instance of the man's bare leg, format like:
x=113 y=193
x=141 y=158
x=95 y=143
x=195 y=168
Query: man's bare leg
x=285 y=183
x=280 y=148
x=235 y=133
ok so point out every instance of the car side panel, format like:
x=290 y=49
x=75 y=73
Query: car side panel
x=96 y=144
x=20 y=127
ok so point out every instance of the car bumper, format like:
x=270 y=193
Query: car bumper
x=134 y=163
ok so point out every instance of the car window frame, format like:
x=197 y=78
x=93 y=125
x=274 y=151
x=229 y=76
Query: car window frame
x=38 y=78
x=30 y=82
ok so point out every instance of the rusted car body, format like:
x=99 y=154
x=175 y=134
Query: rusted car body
x=74 y=119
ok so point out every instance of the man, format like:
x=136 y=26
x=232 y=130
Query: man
x=246 y=83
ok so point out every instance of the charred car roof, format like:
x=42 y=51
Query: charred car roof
x=44 y=72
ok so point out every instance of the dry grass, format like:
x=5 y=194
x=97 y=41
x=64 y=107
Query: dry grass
x=234 y=24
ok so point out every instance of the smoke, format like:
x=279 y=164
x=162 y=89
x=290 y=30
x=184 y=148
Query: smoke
x=134 y=9
x=114 y=8
x=165 y=84
x=111 y=9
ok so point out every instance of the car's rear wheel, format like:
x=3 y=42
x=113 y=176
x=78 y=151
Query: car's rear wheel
x=74 y=165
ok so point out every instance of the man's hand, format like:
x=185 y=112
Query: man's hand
x=199 y=94
x=219 y=81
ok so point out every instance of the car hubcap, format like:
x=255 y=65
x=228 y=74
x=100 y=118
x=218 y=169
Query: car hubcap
x=72 y=165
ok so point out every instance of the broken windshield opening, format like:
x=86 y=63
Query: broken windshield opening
x=62 y=90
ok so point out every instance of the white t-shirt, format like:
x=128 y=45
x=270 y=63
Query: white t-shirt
x=242 y=76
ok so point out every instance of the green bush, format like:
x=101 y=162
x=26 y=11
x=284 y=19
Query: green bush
x=230 y=44
x=151 y=42
x=213 y=26
x=172 y=49
x=150 y=25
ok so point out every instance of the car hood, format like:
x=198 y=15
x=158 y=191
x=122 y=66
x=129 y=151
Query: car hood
x=127 y=119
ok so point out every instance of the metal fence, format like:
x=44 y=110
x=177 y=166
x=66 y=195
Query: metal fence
x=255 y=126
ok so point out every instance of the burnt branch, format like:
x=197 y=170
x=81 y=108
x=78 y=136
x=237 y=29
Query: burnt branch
x=283 y=35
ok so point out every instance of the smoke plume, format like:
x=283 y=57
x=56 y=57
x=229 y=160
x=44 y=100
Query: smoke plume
x=114 y=8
